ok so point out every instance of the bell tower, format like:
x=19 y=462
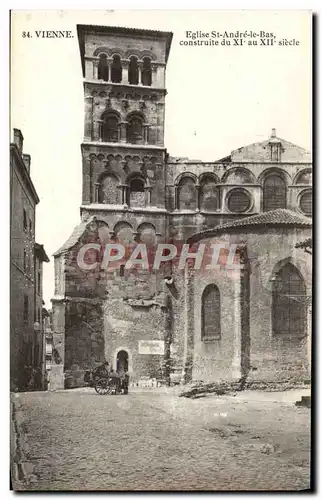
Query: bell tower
x=123 y=147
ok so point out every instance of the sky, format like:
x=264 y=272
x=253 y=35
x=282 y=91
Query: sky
x=219 y=97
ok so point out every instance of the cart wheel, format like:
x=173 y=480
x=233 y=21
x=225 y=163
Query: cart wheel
x=102 y=387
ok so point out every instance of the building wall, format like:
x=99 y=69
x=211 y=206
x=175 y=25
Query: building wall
x=271 y=357
x=22 y=280
x=95 y=314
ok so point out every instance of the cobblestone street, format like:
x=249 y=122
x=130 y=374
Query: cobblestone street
x=154 y=440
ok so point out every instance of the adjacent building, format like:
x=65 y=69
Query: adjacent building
x=157 y=322
x=26 y=262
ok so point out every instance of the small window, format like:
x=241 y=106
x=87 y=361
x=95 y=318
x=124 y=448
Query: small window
x=133 y=71
x=210 y=314
x=135 y=130
x=122 y=268
x=288 y=302
x=38 y=317
x=276 y=152
x=239 y=201
x=116 y=70
x=137 y=193
x=146 y=72
x=110 y=128
x=39 y=282
x=306 y=203
x=25 y=224
x=30 y=227
x=25 y=308
x=103 y=68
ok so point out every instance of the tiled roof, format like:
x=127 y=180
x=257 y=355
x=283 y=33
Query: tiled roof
x=74 y=237
x=304 y=244
x=278 y=217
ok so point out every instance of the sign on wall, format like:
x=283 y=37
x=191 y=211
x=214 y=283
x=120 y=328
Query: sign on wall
x=151 y=347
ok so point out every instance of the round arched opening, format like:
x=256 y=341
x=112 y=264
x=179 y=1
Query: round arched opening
x=122 y=362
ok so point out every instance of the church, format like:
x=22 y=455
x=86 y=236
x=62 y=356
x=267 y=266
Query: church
x=253 y=320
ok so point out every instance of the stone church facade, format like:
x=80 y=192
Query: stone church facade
x=251 y=321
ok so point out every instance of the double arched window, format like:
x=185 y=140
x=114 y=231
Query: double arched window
x=110 y=127
x=210 y=313
x=288 y=302
x=274 y=192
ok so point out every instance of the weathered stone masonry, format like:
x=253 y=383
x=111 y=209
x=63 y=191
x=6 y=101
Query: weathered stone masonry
x=133 y=191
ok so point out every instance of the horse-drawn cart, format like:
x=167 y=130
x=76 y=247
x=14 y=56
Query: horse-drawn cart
x=108 y=382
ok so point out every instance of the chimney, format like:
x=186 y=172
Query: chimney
x=26 y=160
x=18 y=139
x=273 y=134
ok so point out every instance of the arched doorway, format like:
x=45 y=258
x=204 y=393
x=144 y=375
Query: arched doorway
x=122 y=362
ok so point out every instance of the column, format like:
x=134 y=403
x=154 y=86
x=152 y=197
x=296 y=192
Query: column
x=98 y=130
x=198 y=198
x=146 y=133
x=176 y=197
x=237 y=335
x=109 y=63
x=123 y=188
x=88 y=125
x=140 y=67
x=96 y=192
x=147 y=195
x=189 y=325
x=95 y=68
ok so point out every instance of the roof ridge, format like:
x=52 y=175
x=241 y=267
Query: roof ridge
x=279 y=216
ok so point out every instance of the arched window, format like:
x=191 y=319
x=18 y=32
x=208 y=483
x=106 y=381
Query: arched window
x=209 y=195
x=123 y=233
x=239 y=200
x=133 y=71
x=274 y=193
x=288 y=304
x=116 y=69
x=146 y=72
x=210 y=313
x=135 y=129
x=136 y=195
x=187 y=194
x=146 y=234
x=306 y=203
x=304 y=178
x=238 y=176
x=108 y=191
x=110 y=128
x=103 y=68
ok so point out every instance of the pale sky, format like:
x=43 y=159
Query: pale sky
x=219 y=98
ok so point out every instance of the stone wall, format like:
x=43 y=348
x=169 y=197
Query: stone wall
x=248 y=342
